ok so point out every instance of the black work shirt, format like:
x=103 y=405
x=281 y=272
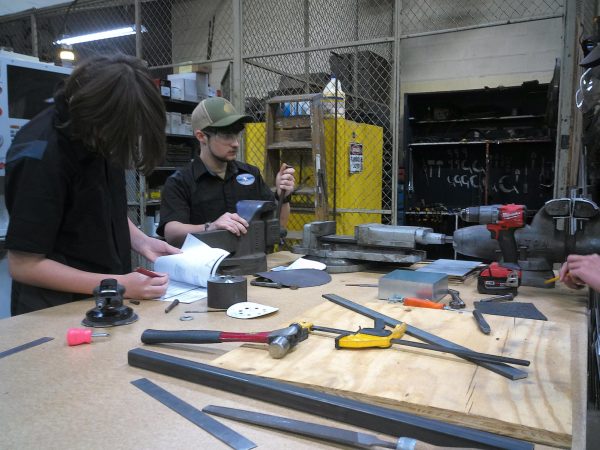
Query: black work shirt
x=64 y=202
x=194 y=195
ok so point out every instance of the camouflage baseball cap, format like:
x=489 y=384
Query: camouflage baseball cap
x=216 y=112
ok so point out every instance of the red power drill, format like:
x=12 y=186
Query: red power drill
x=501 y=221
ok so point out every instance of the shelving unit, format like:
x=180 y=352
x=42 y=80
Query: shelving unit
x=476 y=147
x=181 y=149
x=299 y=141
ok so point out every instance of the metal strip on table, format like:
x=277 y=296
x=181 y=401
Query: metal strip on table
x=25 y=346
x=194 y=415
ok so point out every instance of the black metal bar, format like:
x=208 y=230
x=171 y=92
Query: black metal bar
x=499 y=368
x=20 y=348
x=436 y=348
x=329 y=330
x=377 y=418
x=463 y=353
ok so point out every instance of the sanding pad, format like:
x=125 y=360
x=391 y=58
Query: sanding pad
x=249 y=310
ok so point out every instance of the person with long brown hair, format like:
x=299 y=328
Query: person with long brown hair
x=66 y=192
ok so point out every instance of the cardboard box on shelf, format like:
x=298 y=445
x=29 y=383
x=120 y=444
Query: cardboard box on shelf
x=193 y=85
x=186 y=123
x=168 y=123
x=191 y=68
x=176 y=91
x=176 y=123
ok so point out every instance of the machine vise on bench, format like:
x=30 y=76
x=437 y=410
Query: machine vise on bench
x=371 y=242
x=248 y=252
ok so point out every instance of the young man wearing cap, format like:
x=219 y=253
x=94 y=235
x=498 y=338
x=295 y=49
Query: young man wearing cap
x=203 y=195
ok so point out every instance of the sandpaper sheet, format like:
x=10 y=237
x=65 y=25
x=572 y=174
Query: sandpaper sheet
x=510 y=309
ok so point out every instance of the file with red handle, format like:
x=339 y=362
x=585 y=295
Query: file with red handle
x=422 y=303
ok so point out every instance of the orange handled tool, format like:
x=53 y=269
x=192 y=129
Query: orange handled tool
x=422 y=303
x=76 y=336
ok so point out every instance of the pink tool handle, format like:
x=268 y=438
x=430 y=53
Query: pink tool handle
x=76 y=336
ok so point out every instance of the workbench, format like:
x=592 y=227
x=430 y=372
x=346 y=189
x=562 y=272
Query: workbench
x=56 y=396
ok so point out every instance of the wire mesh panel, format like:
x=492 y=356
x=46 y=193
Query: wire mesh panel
x=85 y=19
x=289 y=47
x=358 y=141
x=15 y=36
x=420 y=16
x=186 y=31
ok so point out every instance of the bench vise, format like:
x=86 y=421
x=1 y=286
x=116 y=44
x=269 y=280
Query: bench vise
x=371 y=242
x=248 y=252
x=563 y=226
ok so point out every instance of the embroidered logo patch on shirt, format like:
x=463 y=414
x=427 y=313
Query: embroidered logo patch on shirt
x=245 y=179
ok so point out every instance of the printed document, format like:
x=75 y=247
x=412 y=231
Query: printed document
x=190 y=270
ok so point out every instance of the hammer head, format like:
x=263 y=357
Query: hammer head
x=282 y=340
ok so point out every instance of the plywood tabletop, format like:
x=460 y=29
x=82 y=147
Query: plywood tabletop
x=56 y=396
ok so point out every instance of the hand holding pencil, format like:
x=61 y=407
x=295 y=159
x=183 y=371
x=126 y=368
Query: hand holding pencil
x=581 y=270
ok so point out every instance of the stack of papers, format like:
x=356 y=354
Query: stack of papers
x=190 y=270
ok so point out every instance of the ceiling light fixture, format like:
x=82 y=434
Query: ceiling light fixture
x=66 y=54
x=117 y=32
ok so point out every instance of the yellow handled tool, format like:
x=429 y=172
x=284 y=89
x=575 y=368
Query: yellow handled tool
x=370 y=337
x=377 y=338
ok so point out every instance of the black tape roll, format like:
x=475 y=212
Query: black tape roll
x=226 y=290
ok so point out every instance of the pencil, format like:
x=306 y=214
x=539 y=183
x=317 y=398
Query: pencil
x=551 y=280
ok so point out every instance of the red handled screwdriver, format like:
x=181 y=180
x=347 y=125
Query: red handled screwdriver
x=76 y=336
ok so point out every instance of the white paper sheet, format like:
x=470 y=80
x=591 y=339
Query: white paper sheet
x=190 y=270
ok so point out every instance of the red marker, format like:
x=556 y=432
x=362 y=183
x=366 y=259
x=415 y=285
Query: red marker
x=147 y=272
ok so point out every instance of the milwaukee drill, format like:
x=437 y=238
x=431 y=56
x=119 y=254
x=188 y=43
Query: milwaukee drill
x=501 y=221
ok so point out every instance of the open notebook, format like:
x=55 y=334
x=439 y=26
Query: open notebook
x=190 y=270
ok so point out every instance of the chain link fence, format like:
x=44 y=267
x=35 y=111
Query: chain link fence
x=288 y=47
x=442 y=15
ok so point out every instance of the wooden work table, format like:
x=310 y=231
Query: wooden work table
x=53 y=396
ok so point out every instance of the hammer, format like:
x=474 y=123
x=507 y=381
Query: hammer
x=279 y=341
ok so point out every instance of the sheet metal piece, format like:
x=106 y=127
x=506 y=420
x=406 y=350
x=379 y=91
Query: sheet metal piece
x=20 y=348
x=197 y=417
x=512 y=309
x=451 y=267
x=409 y=283
x=499 y=368
x=373 y=417
x=297 y=277
x=327 y=433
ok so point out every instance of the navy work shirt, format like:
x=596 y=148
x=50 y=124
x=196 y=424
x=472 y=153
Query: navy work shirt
x=64 y=202
x=194 y=195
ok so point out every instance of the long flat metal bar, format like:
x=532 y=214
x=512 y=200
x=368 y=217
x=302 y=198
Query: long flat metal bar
x=20 y=348
x=499 y=368
x=373 y=417
x=327 y=433
x=437 y=348
x=463 y=353
x=194 y=415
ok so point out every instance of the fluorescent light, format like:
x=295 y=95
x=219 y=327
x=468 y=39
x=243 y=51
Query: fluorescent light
x=118 y=32
x=67 y=55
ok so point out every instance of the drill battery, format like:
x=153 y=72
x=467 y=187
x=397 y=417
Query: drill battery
x=496 y=279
